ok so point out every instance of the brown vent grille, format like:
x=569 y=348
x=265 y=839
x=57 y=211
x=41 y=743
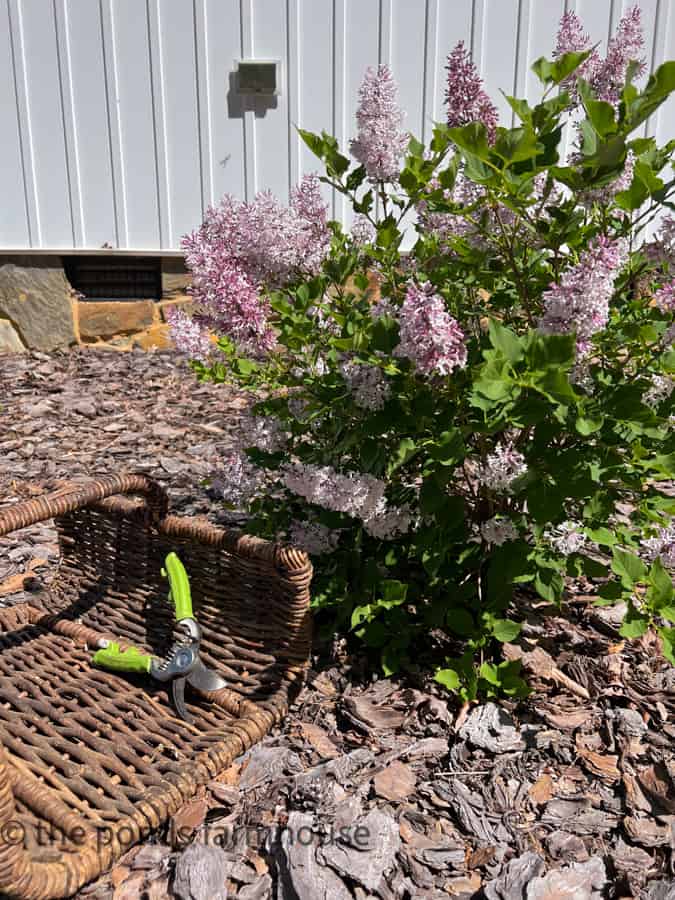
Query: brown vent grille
x=126 y=278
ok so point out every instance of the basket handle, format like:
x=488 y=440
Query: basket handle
x=29 y=512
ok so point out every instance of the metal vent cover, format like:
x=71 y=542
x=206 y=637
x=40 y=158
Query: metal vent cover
x=107 y=278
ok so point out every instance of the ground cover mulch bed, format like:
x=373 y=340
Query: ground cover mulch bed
x=372 y=787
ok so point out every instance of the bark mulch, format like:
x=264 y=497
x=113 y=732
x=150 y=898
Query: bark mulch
x=372 y=788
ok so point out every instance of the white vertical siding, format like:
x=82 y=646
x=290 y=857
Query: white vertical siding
x=120 y=123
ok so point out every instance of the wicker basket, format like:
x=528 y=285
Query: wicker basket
x=92 y=761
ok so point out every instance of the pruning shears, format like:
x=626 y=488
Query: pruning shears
x=182 y=663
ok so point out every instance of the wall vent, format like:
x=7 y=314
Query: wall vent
x=108 y=278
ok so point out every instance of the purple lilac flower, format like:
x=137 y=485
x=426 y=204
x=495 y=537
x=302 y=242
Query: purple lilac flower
x=661 y=546
x=498 y=531
x=240 y=481
x=314 y=537
x=380 y=143
x=566 y=538
x=241 y=248
x=363 y=230
x=367 y=384
x=606 y=76
x=662 y=387
x=625 y=46
x=465 y=97
x=571 y=38
x=580 y=302
x=665 y=297
x=446 y=226
x=668 y=338
x=387 y=522
x=262 y=432
x=429 y=336
x=308 y=203
x=502 y=468
x=188 y=336
x=353 y=493
x=383 y=307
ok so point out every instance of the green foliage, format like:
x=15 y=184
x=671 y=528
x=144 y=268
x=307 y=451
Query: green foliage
x=438 y=595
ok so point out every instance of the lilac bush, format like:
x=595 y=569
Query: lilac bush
x=455 y=430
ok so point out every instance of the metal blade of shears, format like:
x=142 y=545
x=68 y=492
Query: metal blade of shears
x=178 y=697
x=204 y=679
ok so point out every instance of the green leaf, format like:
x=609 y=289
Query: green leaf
x=361 y=614
x=394 y=592
x=460 y=621
x=516 y=144
x=661 y=586
x=559 y=69
x=449 y=678
x=505 y=340
x=449 y=449
x=505 y=630
x=405 y=451
x=473 y=139
x=629 y=567
x=602 y=536
x=611 y=591
x=549 y=585
x=601 y=116
x=667 y=636
x=634 y=623
x=313 y=141
x=388 y=234
x=588 y=424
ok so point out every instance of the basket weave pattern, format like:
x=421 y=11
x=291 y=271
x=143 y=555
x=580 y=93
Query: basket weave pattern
x=100 y=758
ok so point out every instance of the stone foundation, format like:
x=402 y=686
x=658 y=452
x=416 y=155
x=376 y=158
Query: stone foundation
x=39 y=310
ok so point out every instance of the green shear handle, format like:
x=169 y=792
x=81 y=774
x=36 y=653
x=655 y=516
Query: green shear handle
x=132 y=659
x=180 y=587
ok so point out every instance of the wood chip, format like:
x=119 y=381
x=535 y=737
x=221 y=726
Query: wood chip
x=396 y=782
x=319 y=739
x=542 y=790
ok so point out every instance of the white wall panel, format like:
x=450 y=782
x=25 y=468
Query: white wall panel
x=121 y=122
x=14 y=219
x=42 y=116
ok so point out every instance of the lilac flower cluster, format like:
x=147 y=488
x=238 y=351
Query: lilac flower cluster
x=501 y=468
x=363 y=230
x=498 y=531
x=429 y=336
x=661 y=546
x=380 y=143
x=263 y=433
x=314 y=537
x=446 y=226
x=358 y=495
x=465 y=97
x=566 y=538
x=661 y=388
x=388 y=522
x=189 y=337
x=580 y=302
x=606 y=76
x=240 y=481
x=664 y=298
x=367 y=384
x=242 y=247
